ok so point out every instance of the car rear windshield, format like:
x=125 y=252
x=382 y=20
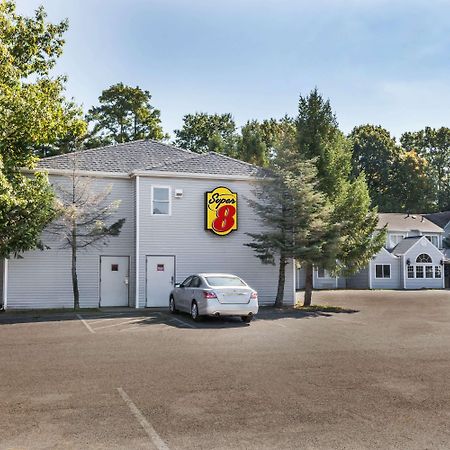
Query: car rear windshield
x=224 y=281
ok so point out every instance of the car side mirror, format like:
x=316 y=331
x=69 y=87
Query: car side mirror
x=178 y=285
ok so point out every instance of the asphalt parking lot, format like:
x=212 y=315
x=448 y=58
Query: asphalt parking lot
x=378 y=377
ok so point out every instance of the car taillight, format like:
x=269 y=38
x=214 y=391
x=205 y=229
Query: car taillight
x=254 y=295
x=209 y=294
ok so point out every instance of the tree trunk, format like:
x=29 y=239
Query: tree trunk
x=308 y=284
x=76 y=292
x=281 y=282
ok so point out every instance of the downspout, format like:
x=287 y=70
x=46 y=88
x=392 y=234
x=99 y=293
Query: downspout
x=5 y=284
x=137 y=254
x=370 y=274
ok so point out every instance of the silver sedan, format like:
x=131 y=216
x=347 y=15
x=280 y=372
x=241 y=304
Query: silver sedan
x=214 y=294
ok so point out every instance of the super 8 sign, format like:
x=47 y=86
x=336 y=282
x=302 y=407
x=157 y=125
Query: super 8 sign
x=221 y=211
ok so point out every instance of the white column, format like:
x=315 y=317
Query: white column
x=370 y=274
x=294 y=281
x=5 y=283
x=405 y=273
x=137 y=254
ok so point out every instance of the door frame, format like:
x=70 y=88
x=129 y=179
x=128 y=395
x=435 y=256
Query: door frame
x=100 y=277
x=146 y=273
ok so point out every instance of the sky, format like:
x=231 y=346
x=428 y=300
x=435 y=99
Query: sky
x=380 y=62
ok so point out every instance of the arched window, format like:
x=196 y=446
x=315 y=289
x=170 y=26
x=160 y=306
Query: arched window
x=424 y=258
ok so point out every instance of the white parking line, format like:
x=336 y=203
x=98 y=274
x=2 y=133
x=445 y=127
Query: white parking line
x=102 y=320
x=85 y=324
x=138 y=327
x=122 y=323
x=152 y=328
x=151 y=432
x=183 y=322
x=279 y=324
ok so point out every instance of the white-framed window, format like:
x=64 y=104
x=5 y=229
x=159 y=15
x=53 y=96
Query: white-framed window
x=424 y=258
x=322 y=273
x=161 y=201
x=437 y=272
x=424 y=270
x=433 y=239
x=394 y=239
x=410 y=271
x=382 y=271
x=419 y=271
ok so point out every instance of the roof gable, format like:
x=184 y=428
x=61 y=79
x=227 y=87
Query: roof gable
x=384 y=250
x=405 y=245
x=149 y=156
x=407 y=222
x=441 y=219
x=210 y=163
x=408 y=243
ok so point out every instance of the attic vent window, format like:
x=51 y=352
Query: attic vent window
x=424 y=258
x=114 y=267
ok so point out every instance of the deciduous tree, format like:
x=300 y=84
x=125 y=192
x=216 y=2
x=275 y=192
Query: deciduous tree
x=434 y=145
x=203 y=132
x=33 y=113
x=85 y=218
x=412 y=188
x=374 y=152
x=259 y=140
x=124 y=114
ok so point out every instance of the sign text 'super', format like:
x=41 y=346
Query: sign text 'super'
x=221 y=211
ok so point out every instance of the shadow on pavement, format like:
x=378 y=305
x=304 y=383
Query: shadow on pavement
x=162 y=316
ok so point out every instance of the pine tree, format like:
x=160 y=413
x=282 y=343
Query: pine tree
x=318 y=137
x=296 y=216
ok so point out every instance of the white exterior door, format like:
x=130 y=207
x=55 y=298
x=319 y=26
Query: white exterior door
x=160 y=280
x=114 y=273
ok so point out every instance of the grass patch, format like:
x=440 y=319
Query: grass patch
x=324 y=308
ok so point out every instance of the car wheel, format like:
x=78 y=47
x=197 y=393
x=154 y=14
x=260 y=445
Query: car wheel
x=194 y=311
x=247 y=319
x=172 y=307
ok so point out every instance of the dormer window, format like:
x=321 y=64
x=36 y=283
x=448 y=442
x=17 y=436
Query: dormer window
x=394 y=239
x=433 y=239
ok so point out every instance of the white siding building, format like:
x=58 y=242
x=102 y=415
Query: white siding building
x=442 y=219
x=162 y=197
x=412 y=258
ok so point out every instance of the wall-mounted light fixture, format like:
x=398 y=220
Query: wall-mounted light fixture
x=408 y=262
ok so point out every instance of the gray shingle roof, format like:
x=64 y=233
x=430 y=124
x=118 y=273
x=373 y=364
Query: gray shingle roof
x=403 y=246
x=148 y=155
x=125 y=157
x=407 y=222
x=211 y=163
x=440 y=218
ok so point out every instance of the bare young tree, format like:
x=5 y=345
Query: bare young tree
x=84 y=218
